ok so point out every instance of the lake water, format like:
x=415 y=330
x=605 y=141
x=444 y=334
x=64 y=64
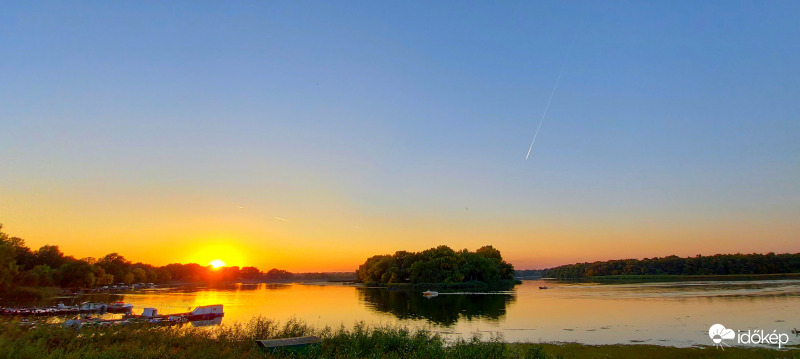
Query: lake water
x=664 y=313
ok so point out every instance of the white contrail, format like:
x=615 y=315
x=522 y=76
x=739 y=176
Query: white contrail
x=281 y=219
x=558 y=80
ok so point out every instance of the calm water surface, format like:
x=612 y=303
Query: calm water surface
x=669 y=313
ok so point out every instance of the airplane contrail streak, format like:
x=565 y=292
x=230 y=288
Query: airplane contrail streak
x=550 y=99
x=558 y=80
x=281 y=219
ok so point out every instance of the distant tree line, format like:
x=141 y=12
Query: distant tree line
x=531 y=273
x=48 y=266
x=437 y=265
x=325 y=276
x=720 y=264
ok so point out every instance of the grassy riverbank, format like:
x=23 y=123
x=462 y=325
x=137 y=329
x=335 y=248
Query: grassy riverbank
x=237 y=341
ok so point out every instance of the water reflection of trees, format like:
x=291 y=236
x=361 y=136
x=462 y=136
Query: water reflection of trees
x=222 y=287
x=183 y=292
x=682 y=290
x=445 y=309
x=266 y=286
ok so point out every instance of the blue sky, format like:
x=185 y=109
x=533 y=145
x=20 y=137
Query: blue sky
x=388 y=126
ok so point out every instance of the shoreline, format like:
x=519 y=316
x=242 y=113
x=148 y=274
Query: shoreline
x=675 y=277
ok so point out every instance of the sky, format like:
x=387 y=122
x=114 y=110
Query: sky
x=310 y=135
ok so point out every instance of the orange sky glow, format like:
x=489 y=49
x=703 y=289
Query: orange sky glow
x=308 y=240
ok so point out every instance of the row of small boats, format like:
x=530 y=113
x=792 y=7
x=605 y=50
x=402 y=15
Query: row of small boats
x=202 y=315
x=203 y=312
x=61 y=309
x=79 y=323
x=90 y=314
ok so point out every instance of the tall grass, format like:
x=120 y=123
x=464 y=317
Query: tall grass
x=360 y=341
x=238 y=341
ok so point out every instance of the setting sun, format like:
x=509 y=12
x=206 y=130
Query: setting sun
x=218 y=252
x=217 y=263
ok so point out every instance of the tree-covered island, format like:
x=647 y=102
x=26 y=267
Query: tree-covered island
x=439 y=267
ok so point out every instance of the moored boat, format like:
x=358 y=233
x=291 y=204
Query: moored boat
x=430 y=293
x=120 y=307
x=203 y=312
x=93 y=307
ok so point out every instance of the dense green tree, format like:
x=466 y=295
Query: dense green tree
x=490 y=252
x=75 y=273
x=163 y=275
x=24 y=257
x=278 y=274
x=128 y=278
x=40 y=275
x=8 y=266
x=50 y=256
x=8 y=261
x=250 y=273
x=437 y=265
x=101 y=277
x=116 y=265
x=152 y=276
x=139 y=275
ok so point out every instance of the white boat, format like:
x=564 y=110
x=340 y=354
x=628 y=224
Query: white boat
x=430 y=293
x=206 y=312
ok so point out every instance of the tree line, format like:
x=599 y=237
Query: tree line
x=48 y=266
x=719 y=264
x=437 y=265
